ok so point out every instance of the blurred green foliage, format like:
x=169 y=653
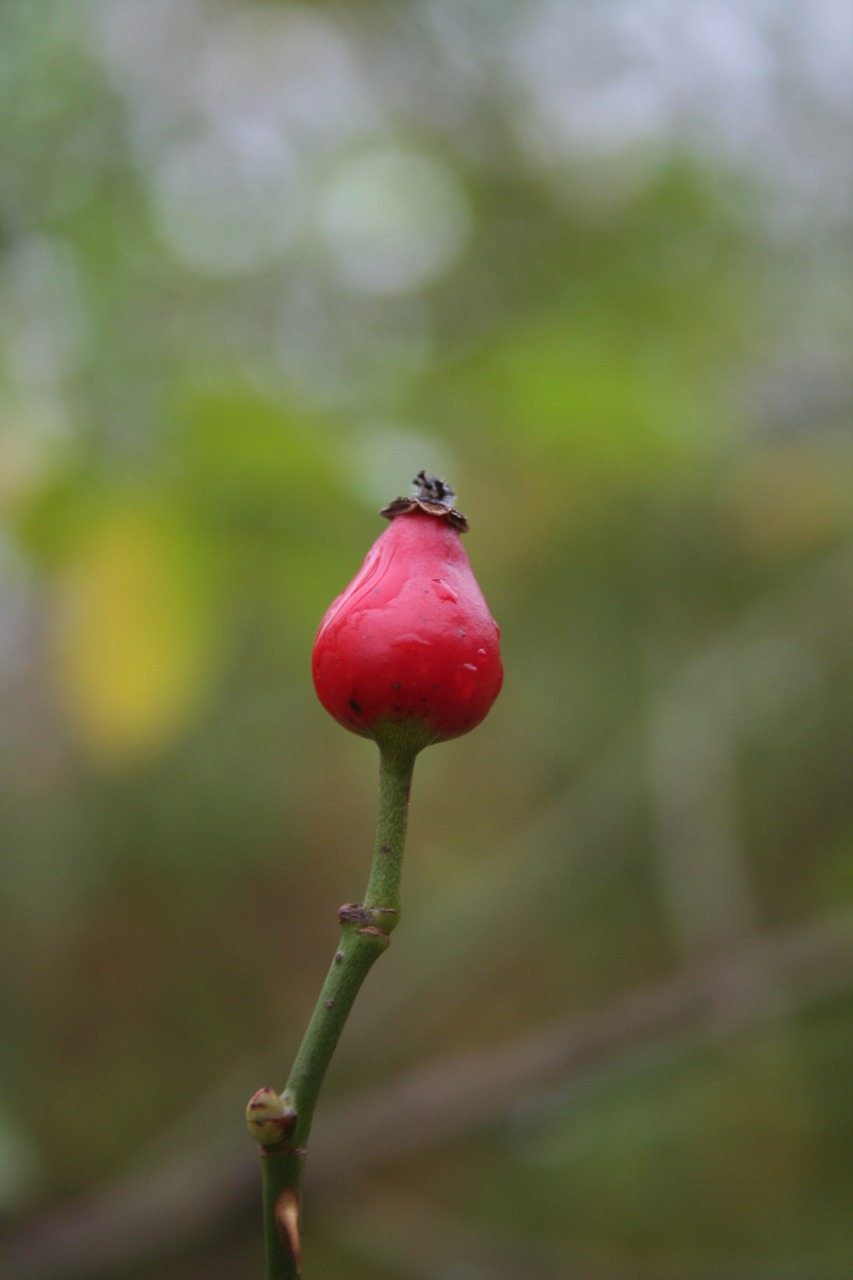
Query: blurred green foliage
x=259 y=264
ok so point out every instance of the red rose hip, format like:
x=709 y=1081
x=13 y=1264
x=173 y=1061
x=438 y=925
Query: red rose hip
x=411 y=641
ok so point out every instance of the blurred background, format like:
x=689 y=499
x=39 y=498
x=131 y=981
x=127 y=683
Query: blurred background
x=259 y=264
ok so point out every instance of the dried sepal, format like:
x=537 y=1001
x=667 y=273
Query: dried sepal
x=434 y=497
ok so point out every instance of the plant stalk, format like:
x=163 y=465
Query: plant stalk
x=365 y=934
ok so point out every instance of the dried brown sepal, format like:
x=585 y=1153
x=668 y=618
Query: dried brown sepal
x=432 y=496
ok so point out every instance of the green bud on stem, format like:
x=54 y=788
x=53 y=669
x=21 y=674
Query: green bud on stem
x=269 y=1118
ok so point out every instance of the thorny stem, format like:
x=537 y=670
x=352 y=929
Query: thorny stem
x=365 y=930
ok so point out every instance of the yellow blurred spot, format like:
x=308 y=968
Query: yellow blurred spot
x=131 y=652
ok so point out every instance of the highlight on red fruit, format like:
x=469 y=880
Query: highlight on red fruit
x=411 y=640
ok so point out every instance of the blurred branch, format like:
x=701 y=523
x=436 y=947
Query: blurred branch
x=466 y=1091
x=152 y=1214
x=417 y=1228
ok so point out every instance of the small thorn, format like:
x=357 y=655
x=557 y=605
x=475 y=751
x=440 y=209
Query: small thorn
x=287 y=1224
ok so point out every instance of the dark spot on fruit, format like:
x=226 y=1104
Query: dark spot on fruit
x=396 y=685
x=355 y=706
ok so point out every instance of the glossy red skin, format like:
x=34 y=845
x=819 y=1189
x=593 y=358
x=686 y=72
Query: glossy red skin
x=411 y=637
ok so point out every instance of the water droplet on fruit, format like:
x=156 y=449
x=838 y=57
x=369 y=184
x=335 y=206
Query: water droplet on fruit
x=444 y=592
x=465 y=679
x=410 y=638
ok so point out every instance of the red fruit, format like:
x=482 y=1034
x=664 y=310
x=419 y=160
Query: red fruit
x=411 y=640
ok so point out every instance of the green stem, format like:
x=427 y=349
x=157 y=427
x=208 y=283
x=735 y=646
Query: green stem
x=365 y=930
